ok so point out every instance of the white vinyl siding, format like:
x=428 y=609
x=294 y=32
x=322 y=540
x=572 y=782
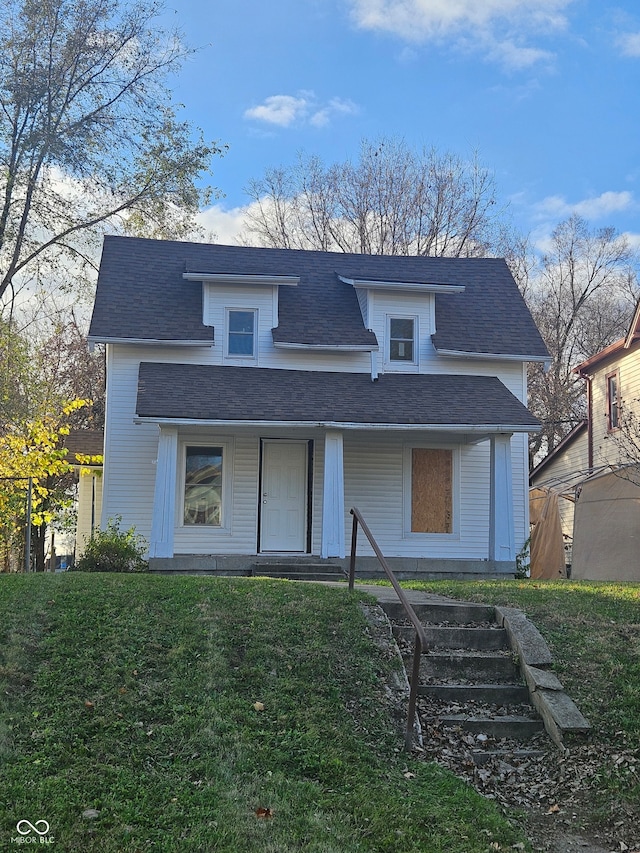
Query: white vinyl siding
x=373 y=464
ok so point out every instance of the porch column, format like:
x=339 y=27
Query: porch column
x=164 y=498
x=501 y=523
x=333 y=497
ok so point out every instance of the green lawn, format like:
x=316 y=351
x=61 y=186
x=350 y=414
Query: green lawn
x=182 y=709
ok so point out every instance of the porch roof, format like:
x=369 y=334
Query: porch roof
x=215 y=394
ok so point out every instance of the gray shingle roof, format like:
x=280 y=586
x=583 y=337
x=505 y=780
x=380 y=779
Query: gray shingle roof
x=206 y=392
x=141 y=295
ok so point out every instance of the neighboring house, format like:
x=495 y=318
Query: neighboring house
x=612 y=379
x=254 y=395
x=85 y=454
x=607 y=520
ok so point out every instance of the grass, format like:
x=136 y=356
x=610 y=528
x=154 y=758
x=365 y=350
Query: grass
x=593 y=630
x=180 y=710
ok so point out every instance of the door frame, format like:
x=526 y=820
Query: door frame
x=308 y=487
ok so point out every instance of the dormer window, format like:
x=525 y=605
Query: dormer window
x=402 y=340
x=241 y=333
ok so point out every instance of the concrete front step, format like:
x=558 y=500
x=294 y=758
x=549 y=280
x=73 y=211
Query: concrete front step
x=485 y=694
x=512 y=727
x=477 y=639
x=467 y=666
x=437 y=613
x=300 y=571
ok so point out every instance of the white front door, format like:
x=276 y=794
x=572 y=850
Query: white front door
x=283 y=498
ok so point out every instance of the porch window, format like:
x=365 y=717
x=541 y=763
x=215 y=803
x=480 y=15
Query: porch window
x=402 y=344
x=241 y=333
x=613 y=401
x=431 y=490
x=203 y=486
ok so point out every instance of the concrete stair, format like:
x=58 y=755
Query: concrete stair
x=298 y=571
x=470 y=679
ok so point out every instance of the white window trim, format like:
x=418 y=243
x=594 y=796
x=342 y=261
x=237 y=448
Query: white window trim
x=397 y=365
x=407 y=532
x=227 y=445
x=234 y=356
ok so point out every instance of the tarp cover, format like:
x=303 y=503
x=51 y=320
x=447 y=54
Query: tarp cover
x=606 y=533
x=547 y=544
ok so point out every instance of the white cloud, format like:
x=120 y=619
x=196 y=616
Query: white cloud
x=335 y=107
x=225 y=226
x=597 y=207
x=630 y=44
x=286 y=110
x=496 y=27
x=282 y=110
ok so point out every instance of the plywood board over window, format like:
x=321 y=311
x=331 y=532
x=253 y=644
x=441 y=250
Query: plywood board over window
x=431 y=490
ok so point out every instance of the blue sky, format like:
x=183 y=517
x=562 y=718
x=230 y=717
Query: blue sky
x=546 y=91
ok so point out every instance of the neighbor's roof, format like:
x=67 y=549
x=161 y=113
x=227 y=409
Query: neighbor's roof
x=83 y=442
x=142 y=295
x=194 y=392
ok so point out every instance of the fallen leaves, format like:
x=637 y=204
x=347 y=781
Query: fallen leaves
x=264 y=814
x=258 y=706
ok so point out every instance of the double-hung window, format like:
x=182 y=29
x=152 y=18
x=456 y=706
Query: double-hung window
x=203 y=485
x=613 y=401
x=402 y=340
x=241 y=333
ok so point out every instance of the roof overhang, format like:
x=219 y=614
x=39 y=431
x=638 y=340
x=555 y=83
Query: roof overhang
x=234 y=278
x=494 y=356
x=413 y=286
x=327 y=347
x=459 y=429
x=152 y=342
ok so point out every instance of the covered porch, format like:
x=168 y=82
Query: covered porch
x=437 y=490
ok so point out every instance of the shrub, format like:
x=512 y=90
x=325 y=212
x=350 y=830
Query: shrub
x=113 y=550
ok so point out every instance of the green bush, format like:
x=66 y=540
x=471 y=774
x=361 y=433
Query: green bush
x=113 y=550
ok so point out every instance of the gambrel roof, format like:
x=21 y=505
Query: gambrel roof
x=142 y=295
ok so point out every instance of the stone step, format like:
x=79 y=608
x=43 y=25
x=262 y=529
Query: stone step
x=438 y=637
x=486 y=694
x=481 y=757
x=508 y=726
x=478 y=667
x=437 y=612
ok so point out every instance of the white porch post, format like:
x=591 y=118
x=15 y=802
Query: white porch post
x=501 y=522
x=164 y=498
x=333 y=497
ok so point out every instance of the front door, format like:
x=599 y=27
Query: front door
x=283 y=498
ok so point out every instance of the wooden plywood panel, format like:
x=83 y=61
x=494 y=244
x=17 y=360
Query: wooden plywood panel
x=431 y=490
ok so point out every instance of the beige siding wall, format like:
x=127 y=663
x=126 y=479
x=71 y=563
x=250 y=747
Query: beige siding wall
x=606 y=449
x=89 y=507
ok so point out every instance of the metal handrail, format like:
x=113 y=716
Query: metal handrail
x=420 y=642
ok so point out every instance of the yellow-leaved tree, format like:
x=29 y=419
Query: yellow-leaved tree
x=33 y=459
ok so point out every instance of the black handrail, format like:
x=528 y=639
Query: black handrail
x=420 y=642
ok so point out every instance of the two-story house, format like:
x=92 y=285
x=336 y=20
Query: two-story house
x=254 y=395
